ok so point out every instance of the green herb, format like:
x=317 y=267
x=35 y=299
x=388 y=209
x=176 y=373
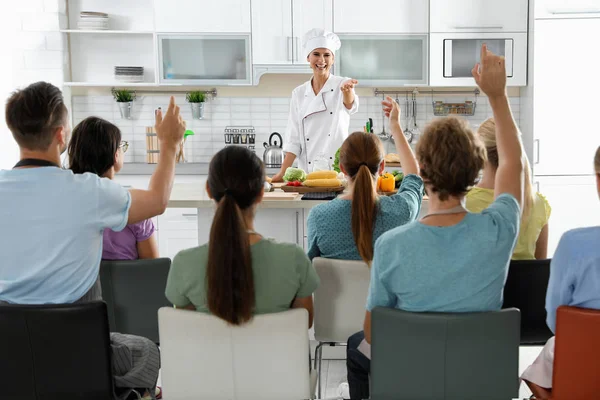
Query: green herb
x=123 y=95
x=336 y=161
x=195 y=97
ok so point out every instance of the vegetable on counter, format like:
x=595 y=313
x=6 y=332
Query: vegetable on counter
x=323 y=183
x=294 y=183
x=386 y=182
x=321 y=175
x=294 y=174
x=398 y=176
x=336 y=161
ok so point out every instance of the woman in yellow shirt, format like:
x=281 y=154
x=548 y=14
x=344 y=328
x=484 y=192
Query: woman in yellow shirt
x=533 y=235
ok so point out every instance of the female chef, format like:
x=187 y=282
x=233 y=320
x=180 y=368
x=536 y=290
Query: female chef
x=320 y=109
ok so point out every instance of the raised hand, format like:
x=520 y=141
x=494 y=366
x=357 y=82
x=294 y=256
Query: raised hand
x=490 y=73
x=391 y=109
x=171 y=127
x=348 y=85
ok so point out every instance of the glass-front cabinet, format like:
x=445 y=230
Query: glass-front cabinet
x=384 y=60
x=204 y=59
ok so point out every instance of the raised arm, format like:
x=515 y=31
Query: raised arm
x=152 y=202
x=490 y=76
x=408 y=161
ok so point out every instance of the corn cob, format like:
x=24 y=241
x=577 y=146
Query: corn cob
x=321 y=175
x=322 y=183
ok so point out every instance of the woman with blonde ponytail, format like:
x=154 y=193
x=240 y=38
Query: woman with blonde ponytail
x=239 y=273
x=347 y=228
x=532 y=242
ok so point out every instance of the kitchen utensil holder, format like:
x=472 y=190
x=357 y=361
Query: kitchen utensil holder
x=240 y=135
x=441 y=109
x=152 y=145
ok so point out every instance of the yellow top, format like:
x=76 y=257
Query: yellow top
x=479 y=199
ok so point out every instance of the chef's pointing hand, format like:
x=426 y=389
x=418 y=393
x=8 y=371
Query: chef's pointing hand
x=349 y=85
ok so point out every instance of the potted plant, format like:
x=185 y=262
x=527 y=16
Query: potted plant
x=196 y=100
x=124 y=98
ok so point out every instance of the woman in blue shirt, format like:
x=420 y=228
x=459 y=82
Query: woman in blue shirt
x=347 y=228
x=574 y=281
x=450 y=260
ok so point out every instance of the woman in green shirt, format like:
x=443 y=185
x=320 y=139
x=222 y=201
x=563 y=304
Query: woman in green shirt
x=239 y=273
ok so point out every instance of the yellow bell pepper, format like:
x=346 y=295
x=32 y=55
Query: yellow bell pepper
x=386 y=183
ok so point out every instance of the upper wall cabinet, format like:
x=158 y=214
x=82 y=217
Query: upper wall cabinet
x=278 y=27
x=478 y=15
x=381 y=16
x=202 y=16
x=561 y=9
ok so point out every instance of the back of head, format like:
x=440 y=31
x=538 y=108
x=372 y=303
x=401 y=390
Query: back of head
x=361 y=155
x=487 y=134
x=34 y=114
x=450 y=156
x=93 y=145
x=235 y=180
x=597 y=161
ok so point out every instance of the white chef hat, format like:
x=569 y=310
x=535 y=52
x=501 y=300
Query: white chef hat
x=318 y=38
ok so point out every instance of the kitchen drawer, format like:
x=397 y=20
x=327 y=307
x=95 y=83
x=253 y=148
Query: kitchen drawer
x=478 y=16
x=179 y=219
x=171 y=242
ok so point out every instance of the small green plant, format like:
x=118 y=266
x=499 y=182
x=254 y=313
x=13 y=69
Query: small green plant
x=123 y=95
x=195 y=97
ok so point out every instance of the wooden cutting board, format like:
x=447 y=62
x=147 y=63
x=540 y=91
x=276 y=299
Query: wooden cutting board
x=305 y=189
x=277 y=195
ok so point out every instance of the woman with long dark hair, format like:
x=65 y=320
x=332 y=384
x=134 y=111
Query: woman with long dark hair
x=239 y=273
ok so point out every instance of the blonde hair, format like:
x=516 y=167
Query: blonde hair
x=487 y=134
x=450 y=156
x=360 y=157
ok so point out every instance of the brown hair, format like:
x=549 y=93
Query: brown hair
x=487 y=133
x=597 y=161
x=34 y=114
x=235 y=179
x=93 y=145
x=450 y=156
x=360 y=157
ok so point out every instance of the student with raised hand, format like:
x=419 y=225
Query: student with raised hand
x=574 y=281
x=96 y=147
x=239 y=273
x=450 y=260
x=347 y=228
x=51 y=220
x=532 y=242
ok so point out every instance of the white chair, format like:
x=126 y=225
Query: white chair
x=339 y=303
x=203 y=357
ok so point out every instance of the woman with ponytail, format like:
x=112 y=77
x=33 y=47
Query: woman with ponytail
x=239 y=273
x=347 y=228
x=532 y=242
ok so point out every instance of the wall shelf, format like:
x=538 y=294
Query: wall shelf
x=111 y=84
x=107 y=32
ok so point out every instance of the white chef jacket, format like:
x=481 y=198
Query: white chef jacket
x=318 y=123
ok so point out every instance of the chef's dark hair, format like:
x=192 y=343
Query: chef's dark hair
x=361 y=155
x=93 y=145
x=235 y=180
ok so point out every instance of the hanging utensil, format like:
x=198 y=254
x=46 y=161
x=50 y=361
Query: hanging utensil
x=415 y=131
x=408 y=132
x=383 y=135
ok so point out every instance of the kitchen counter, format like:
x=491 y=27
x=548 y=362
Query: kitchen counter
x=180 y=169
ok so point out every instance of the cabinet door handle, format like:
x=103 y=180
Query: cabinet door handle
x=290 y=48
x=297 y=48
x=189 y=215
x=297 y=227
x=574 y=11
x=536 y=160
x=480 y=27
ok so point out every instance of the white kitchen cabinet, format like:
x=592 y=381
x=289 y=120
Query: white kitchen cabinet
x=478 y=15
x=381 y=16
x=546 y=9
x=202 y=16
x=278 y=27
x=574 y=202
x=565 y=96
x=178 y=230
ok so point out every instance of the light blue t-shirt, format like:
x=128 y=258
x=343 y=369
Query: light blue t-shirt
x=459 y=268
x=574 y=273
x=330 y=224
x=51 y=226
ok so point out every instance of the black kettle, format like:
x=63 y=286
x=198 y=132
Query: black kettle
x=273 y=155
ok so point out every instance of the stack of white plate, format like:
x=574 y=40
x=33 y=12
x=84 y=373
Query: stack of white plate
x=91 y=20
x=129 y=74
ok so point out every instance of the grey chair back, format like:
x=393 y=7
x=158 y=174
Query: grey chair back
x=439 y=356
x=133 y=292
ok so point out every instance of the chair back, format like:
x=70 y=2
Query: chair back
x=576 y=354
x=525 y=289
x=203 y=357
x=444 y=356
x=340 y=299
x=134 y=291
x=55 y=352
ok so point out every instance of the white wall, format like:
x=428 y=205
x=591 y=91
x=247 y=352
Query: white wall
x=8 y=148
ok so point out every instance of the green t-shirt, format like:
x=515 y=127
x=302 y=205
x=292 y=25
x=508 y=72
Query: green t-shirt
x=282 y=272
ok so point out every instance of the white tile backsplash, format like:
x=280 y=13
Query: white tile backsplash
x=265 y=114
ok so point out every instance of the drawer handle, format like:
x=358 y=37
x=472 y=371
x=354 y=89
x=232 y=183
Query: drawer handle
x=479 y=27
x=567 y=12
x=189 y=215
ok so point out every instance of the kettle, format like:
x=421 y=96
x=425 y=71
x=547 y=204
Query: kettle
x=273 y=156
